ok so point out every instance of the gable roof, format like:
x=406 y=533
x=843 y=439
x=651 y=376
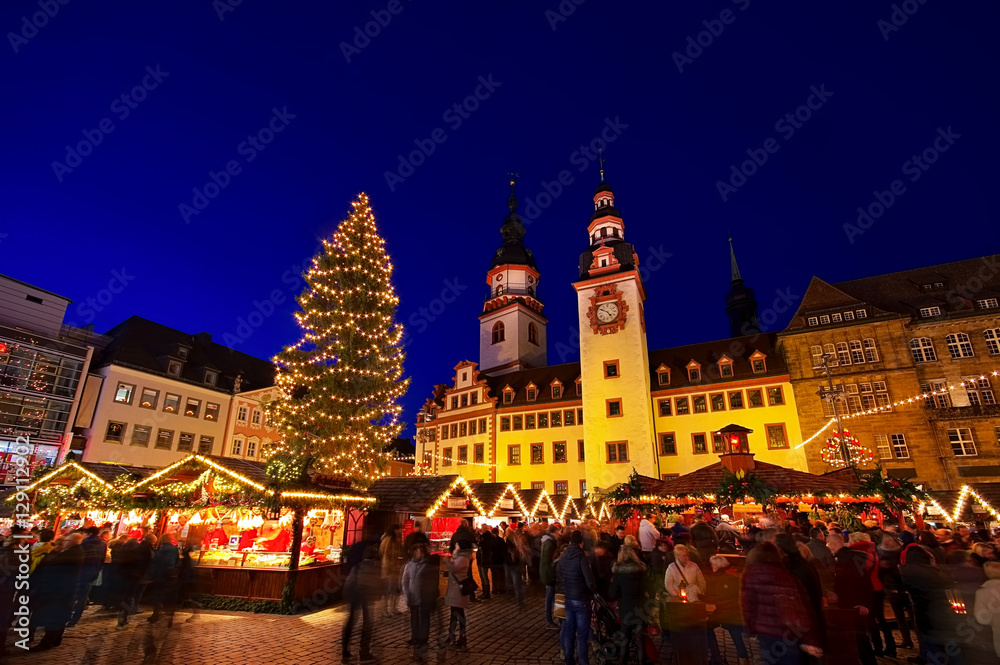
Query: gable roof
x=144 y=345
x=786 y=481
x=409 y=494
x=738 y=349
x=541 y=377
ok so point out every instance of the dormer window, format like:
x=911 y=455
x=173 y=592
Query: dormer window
x=508 y=395
x=174 y=368
x=211 y=377
x=663 y=375
x=758 y=362
x=725 y=367
x=579 y=389
x=694 y=371
x=532 y=392
x=182 y=352
x=556 y=389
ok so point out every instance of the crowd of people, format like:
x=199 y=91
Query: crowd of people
x=73 y=570
x=779 y=587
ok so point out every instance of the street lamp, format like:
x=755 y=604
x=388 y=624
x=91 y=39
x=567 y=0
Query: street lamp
x=833 y=393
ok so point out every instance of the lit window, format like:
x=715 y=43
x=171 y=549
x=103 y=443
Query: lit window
x=124 y=393
x=699 y=444
x=882 y=446
x=922 y=350
x=212 y=412
x=192 y=407
x=927 y=312
x=986 y=303
x=115 y=432
x=165 y=439
x=755 y=398
x=664 y=406
x=992 y=337
x=736 y=400
x=618 y=451
x=513 y=455
x=498 y=335
x=668 y=444
x=149 y=398
x=537 y=453
x=700 y=404
x=961 y=442
x=717 y=445
x=959 y=345
x=562 y=486
x=559 y=451
x=774 y=396
x=776 y=438
x=682 y=406
x=205 y=445
x=538 y=485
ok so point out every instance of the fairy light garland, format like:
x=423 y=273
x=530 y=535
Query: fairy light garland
x=441 y=500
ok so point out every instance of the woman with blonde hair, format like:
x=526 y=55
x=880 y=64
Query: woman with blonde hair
x=684 y=578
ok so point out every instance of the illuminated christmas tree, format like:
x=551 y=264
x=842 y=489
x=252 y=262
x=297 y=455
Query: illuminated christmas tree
x=833 y=454
x=341 y=383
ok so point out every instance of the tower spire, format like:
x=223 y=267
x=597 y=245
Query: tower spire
x=732 y=261
x=512 y=201
x=600 y=157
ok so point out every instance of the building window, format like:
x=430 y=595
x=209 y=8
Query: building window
x=241 y=414
x=538 y=484
x=543 y=420
x=498 y=335
x=835 y=318
x=465 y=400
x=699 y=443
x=848 y=316
x=992 y=337
x=508 y=396
x=174 y=368
x=726 y=371
x=454 y=402
x=556 y=418
x=140 y=435
x=824 y=319
x=562 y=487
x=883 y=447
x=922 y=350
x=610 y=369
x=237 y=447
x=212 y=412
x=718 y=402
x=478 y=450
x=205 y=445
x=736 y=399
x=812 y=321
x=959 y=345
x=513 y=455
x=115 y=433
x=165 y=439
x=664 y=406
x=899 y=446
x=444 y=432
x=669 y=476
x=474 y=399
x=682 y=406
x=532 y=394
x=618 y=451
x=775 y=397
x=979 y=391
x=124 y=392
x=927 y=312
x=987 y=303
x=694 y=374
x=583 y=489
x=463 y=454
x=862 y=314
x=759 y=366
x=463 y=428
x=556 y=392
x=717 y=444
x=961 y=442
x=559 y=451
x=446 y=456
x=579 y=388
x=699 y=403
x=482 y=425
x=211 y=377
x=186 y=442
x=857 y=354
x=569 y=417
x=529 y=421
x=251 y=448
x=755 y=398
x=828 y=350
x=518 y=422
x=871 y=352
x=532 y=334
x=149 y=398
x=614 y=408
x=454 y=430
x=663 y=377
x=843 y=356
x=537 y=453
x=668 y=444
x=936 y=394
x=776 y=437
x=192 y=407
x=581 y=451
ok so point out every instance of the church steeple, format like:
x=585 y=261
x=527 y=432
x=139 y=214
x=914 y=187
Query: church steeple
x=741 y=306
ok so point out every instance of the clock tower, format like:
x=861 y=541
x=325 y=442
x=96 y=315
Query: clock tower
x=618 y=426
x=512 y=326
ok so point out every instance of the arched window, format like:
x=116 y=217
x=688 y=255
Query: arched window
x=922 y=350
x=497 y=332
x=959 y=345
x=500 y=290
x=604 y=232
x=532 y=333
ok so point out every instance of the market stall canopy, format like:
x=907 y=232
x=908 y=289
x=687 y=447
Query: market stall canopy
x=970 y=503
x=70 y=473
x=788 y=482
x=410 y=494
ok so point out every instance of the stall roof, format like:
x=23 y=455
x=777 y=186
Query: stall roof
x=787 y=481
x=409 y=494
x=957 y=504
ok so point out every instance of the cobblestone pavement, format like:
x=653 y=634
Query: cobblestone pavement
x=498 y=633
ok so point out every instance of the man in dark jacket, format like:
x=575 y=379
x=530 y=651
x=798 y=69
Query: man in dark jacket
x=53 y=586
x=417 y=536
x=361 y=589
x=94 y=551
x=484 y=559
x=617 y=540
x=577 y=581
x=547 y=573
x=822 y=557
x=853 y=590
x=136 y=558
x=927 y=585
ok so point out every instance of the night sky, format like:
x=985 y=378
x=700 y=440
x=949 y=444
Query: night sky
x=884 y=81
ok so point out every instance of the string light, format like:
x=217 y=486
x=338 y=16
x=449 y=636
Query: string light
x=441 y=500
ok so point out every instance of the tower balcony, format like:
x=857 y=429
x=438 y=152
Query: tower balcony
x=502 y=296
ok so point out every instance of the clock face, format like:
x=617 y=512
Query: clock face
x=607 y=312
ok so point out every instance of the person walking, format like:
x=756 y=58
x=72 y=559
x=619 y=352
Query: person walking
x=987 y=611
x=94 y=552
x=420 y=587
x=805 y=573
x=136 y=558
x=414 y=538
x=459 y=569
x=724 y=592
x=484 y=559
x=627 y=582
x=547 y=574
x=391 y=553
x=514 y=564
x=163 y=576
x=497 y=569
x=853 y=591
x=53 y=588
x=889 y=550
x=576 y=579
x=361 y=590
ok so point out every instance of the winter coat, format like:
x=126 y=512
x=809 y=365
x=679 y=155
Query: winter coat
x=164 y=564
x=602 y=567
x=658 y=564
x=927 y=587
x=574 y=575
x=499 y=549
x=546 y=569
x=728 y=538
x=458 y=569
x=705 y=540
x=852 y=581
x=94 y=551
x=627 y=588
x=53 y=587
x=461 y=533
x=420 y=582
x=391 y=552
x=695 y=580
x=987 y=611
x=486 y=543
x=724 y=592
x=871 y=561
x=615 y=544
x=363 y=583
x=135 y=558
x=38 y=553
x=771 y=600
x=647 y=535
x=888 y=569
x=806 y=574
x=413 y=539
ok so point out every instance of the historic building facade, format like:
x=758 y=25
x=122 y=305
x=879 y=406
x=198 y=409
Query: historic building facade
x=917 y=354
x=578 y=426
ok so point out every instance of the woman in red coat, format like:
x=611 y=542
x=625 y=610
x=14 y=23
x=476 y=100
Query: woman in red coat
x=771 y=600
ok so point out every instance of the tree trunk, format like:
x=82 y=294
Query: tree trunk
x=288 y=593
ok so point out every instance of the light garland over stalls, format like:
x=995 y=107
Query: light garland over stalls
x=460 y=481
x=340 y=384
x=963 y=497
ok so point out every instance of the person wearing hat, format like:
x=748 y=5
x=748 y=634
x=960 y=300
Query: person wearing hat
x=458 y=569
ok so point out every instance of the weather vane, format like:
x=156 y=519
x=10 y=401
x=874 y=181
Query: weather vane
x=600 y=157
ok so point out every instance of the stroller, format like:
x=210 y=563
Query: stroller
x=615 y=641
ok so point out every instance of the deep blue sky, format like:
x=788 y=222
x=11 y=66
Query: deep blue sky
x=118 y=209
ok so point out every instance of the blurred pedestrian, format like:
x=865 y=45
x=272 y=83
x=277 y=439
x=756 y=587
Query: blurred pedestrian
x=361 y=589
x=684 y=578
x=547 y=574
x=484 y=559
x=95 y=549
x=853 y=591
x=420 y=586
x=988 y=602
x=576 y=579
x=456 y=597
x=391 y=554
x=723 y=592
x=628 y=575
x=163 y=575
x=53 y=588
